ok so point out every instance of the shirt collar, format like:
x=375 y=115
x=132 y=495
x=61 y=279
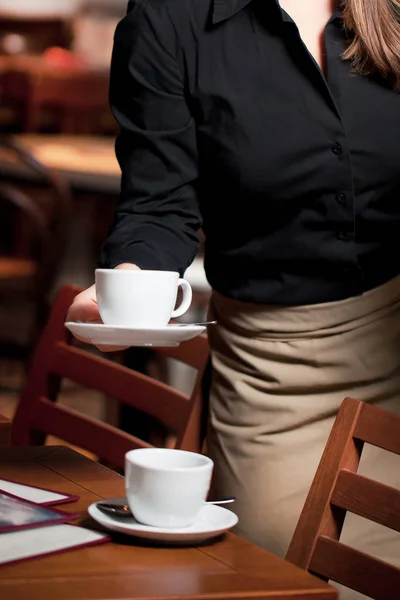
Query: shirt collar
x=223 y=9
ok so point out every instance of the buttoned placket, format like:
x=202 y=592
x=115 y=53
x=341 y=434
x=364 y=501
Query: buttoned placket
x=344 y=200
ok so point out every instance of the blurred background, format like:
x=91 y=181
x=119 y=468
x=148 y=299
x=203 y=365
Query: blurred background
x=59 y=179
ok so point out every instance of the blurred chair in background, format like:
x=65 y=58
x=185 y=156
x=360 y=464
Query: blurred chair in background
x=33 y=234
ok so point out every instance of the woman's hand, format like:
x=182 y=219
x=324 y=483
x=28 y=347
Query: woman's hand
x=84 y=309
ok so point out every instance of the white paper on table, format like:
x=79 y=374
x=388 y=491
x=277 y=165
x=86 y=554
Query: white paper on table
x=34 y=494
x=28 y=543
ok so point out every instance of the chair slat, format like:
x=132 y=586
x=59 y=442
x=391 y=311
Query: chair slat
x=376 y=426
x=367 y=575
x=367 y=498
x=140 y=391
x=102 y=439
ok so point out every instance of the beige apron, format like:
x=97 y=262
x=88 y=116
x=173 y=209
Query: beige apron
x=279 y=376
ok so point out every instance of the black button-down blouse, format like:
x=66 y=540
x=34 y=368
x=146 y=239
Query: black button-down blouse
x=227 y=123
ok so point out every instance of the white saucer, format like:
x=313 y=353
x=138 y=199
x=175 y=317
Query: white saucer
x=170 y=335
x=212 y=521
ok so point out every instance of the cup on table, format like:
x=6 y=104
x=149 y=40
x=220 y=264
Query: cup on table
x=166 y=487
x=140 y=299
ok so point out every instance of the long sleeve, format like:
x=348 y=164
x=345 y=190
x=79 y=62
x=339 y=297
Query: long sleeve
x=157 y=216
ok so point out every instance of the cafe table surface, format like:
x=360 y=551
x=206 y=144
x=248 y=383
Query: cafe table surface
x=88 y=163
x=224 y=568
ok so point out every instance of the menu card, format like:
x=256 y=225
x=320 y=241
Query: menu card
x=24 y=509
x=21 y=545
x=16 y=513
x=36 y=494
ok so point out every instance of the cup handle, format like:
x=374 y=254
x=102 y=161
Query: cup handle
x=186 y=299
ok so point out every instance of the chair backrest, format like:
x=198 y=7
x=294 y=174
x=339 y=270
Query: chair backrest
x=55 y=207
x=56 y=357
x=338 y=488
x=17 y=204
x=20 y=202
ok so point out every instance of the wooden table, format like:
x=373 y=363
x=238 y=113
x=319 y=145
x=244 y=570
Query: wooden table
x=88 y=163
x=228 y=568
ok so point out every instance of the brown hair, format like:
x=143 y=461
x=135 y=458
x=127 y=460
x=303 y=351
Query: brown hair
x=374 y=28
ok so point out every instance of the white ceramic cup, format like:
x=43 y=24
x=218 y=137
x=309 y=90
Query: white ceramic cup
x=166 y=487
x=142 y=299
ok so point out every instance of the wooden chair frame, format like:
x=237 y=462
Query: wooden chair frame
x=56 y=358
x=338 y=488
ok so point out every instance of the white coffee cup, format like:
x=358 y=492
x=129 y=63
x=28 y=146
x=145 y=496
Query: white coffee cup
x=140 y=299
x=166 y=487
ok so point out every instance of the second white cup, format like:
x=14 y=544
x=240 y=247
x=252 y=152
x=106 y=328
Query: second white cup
x=166 y=487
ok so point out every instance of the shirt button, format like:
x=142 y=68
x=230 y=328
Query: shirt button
x=342 y=198
x=345 y=236
x=337 y=149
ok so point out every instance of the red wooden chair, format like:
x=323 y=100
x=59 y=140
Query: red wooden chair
x=336 y=489
x=56 y=357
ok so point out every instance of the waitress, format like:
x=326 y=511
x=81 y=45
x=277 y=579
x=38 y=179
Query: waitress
x=276 y=128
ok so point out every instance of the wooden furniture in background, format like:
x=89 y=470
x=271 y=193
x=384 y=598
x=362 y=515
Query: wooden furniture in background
x=87 y=163
x=35 y=34
x=89 y=166
x=226 y=568
x=336 y=489
x=5 y=431
x=57 y=358
x=21 y=300
x=69 y=99
x=48 y=188
x=34 y=232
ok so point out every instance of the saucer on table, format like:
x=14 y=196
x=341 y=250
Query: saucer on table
x=170 y=335
x=212 y=521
